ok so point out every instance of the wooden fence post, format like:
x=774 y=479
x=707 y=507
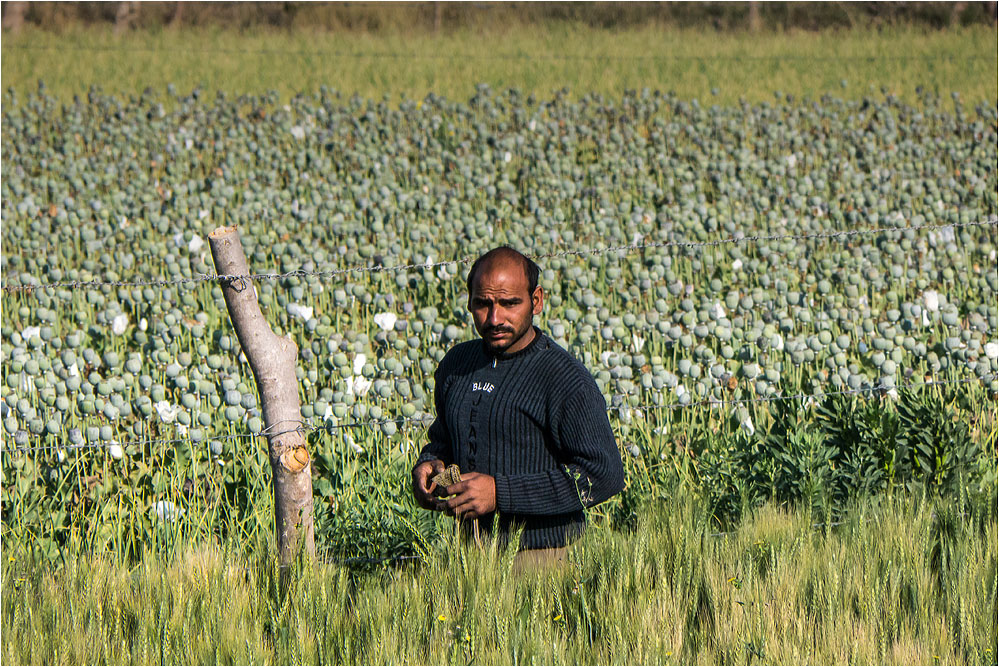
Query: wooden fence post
x=13 y=18
x=754 y=16
x=123 y=17
x=272 y=359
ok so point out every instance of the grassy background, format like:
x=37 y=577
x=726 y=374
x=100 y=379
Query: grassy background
x=715 y=67
x=900 y=582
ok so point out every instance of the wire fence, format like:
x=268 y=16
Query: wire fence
x=331 y=426
x=628 y=248
x=517 y=57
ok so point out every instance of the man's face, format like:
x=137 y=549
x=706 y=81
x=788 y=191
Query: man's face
x=502 y=307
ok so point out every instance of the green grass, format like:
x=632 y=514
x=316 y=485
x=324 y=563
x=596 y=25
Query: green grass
x=897 y=582
x=536 y=59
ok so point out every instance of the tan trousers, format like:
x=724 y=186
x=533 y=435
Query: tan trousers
x=530 y=561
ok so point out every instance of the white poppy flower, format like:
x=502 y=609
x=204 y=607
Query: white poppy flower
x=932 y=300
x=359 y=385
x=359 y=362
x=167 y=511
x=386 y=321
x=353 y=445
x=166 y=412
x=119 y=324
x=298 y=310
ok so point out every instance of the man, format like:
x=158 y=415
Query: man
x=522 y=419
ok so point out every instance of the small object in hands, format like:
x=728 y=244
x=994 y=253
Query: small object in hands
x=451 y=475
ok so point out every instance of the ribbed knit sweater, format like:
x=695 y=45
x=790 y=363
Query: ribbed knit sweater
x=537 y=423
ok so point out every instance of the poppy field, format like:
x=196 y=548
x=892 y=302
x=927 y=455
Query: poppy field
x=789 y=305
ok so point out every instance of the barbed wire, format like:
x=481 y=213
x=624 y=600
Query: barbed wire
x=628 y=248
x=306 y=426
x=545 y=57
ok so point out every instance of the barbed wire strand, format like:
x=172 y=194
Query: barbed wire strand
x=545 y=57
x=628 y=248
x=307 y=425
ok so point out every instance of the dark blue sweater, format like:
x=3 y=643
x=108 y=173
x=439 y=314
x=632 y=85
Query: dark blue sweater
x=534 y=420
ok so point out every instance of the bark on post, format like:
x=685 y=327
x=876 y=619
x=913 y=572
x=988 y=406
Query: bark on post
x=123 y=17
x=178 y=14
x=754 y=16
x=955 y=13
x=13 y=17
x=272 y=359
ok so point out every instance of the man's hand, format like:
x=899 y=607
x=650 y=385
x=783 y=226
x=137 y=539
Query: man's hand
x=474 y=496
x=424 y=486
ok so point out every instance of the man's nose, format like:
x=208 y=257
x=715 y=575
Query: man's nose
x=494 y=317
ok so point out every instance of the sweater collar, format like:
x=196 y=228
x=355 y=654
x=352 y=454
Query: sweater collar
x=538 y=343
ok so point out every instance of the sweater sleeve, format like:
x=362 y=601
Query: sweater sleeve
x=439 y=446
x=591 y=469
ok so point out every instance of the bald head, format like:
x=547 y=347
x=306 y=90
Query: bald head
x=504 y=256
x=503 y=298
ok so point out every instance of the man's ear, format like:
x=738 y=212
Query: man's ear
x=538 y=298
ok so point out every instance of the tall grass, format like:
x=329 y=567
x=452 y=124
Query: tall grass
x=711 y=66
x=900 y=581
